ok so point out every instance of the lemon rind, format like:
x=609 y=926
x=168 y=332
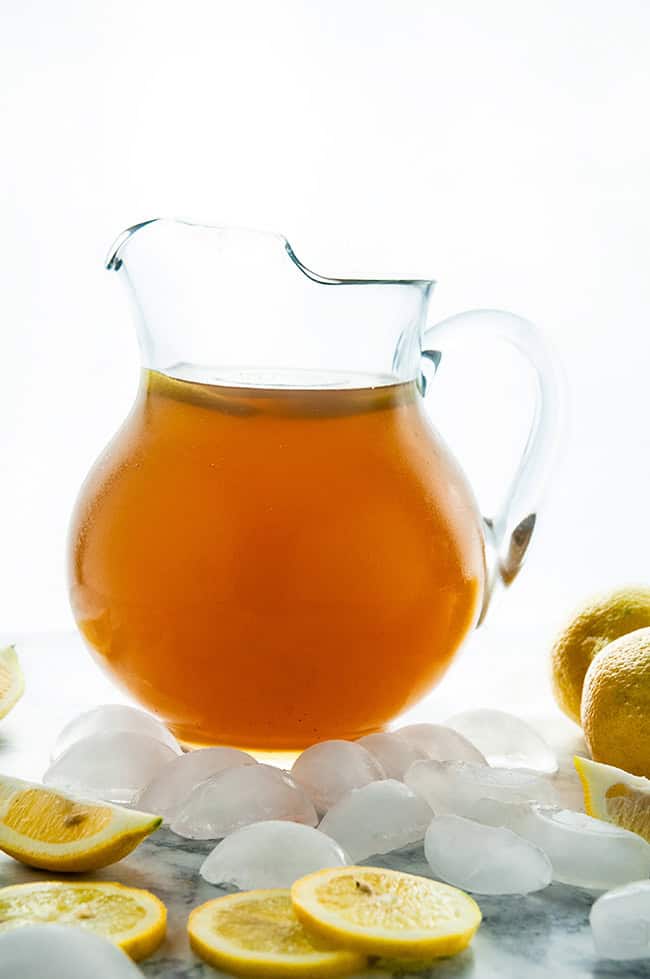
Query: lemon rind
x=578 y=762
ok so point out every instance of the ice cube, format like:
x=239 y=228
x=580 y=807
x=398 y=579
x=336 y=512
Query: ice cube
x=456 y=786
x=271 y=854
x=112 y=767
x=394 y=754
x=441 y=743
x=484 y=859
x=328 y=770
x=377 y=818
x=238 y=797
x=36 y=951
x=569 y=790
x=620 y=922
x=110 y=719
x=584 y=852
x=505 y=740
x=172 y=785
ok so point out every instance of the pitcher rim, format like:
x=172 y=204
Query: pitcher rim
x=113 y=261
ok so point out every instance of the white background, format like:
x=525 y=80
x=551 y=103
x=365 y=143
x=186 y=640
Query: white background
x=502 y=148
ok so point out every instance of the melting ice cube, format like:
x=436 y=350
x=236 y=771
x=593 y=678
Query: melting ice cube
x=377 y=818
x=171 y=786
x=484 y=859
x=271 y=854
x=238 y=797
x=620 y=922
x=584 y=852
x=505 y=740
x=36 y=951
x=441 y=743
x=456 y=786
x=329 y=769
x=394 y=754
x=111 y=719
x=113 y=767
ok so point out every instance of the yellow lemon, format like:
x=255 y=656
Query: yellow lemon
x=615 y=796
x=598 y=624
x=256 y=933
x=616 y=704
x=47 y=829
x=12 y=683
x=386 y=913
x=133 y=919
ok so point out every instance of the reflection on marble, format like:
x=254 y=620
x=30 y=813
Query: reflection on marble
x=541 y=935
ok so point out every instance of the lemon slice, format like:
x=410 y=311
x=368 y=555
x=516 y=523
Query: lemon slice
x=385 y=912
x=133 y=919
x=53 y=831
x=256 y=933
x=615 y=796
x=12 y=683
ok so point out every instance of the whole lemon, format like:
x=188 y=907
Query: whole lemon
x=599 y=623
x=616 y=704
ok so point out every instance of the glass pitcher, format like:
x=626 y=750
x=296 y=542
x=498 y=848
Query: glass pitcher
x=277 y=547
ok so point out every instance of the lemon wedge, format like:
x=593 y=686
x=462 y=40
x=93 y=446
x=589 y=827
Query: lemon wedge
x=615 y=796
x=131 y=918
x=44 y=828
x=12 y=683
x=386 y=913
x=256 y=933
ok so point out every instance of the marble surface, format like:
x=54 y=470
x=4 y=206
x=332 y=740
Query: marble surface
x=535 y=936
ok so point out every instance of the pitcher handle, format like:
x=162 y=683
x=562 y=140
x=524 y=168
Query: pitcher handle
x=508 y=532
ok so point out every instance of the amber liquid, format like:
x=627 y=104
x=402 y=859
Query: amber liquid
x=268 y=568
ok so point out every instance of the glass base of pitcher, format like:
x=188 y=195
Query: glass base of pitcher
x=281 y=757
